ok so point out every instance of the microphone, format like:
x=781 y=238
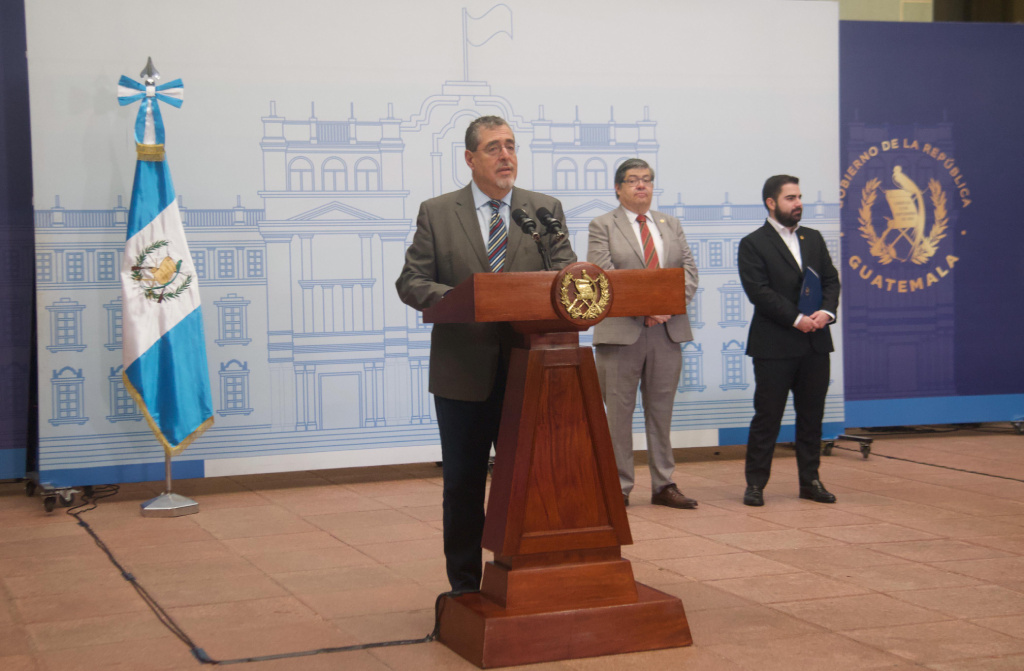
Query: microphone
x=553 y=225
x=528 y=225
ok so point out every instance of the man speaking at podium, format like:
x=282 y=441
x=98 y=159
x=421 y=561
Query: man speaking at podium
x=459 y=234
x=789 y=336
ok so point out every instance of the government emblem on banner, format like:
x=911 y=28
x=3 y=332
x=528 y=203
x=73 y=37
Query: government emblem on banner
x=904 y=193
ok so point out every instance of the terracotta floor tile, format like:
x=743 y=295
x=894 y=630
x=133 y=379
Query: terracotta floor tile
x=653 y=575
x=937 y=550
x=809 y=519
x=968 y=602
x=723 y=522
x=175 y=593
x=1011 y=663
x=342 y=579
x=718 y=567
x=266 y=520
x=18 y=663
x=403 y=551
x=645 y=530
x=78 y=604
x=1014 y=544
x=311 y=501
x=355 y=660
x=158 y=654
x=395 y=598
x=696 y=657
x=428 y=657
x=242 y=643
x=389 y=533
x=670 y=548
x=812 y=652
x=964 y=527
x=309 y=560
x=405 y=625
x=14 y=641
x=98 y=630
x=201 y=620
x=96 y=581
x=832 y=557
x=939 y=641
x=747 y=623
x=858 y=612
x=782 y=539
x=62 y=546
x=993 y=570
x=900 y=577
x=195 y=551
x=1012 y=625
x=787 y=587
x=285 y=543
x=873 y=533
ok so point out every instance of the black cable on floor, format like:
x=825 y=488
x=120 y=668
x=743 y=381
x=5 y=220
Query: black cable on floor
x=926 y=463
x=89 y=502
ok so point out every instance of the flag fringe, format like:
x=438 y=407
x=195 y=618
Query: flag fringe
x=169 y=450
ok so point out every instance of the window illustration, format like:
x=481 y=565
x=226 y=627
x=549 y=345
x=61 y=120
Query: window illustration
x=122 y=405
x=231 y=320
x=44 y=267
x=300 y=175
x=335 y=175
x=234 y=388
x=692 y=377
x=254 y=263
x=695 y=309
x=67 y=397
x=199 y=260
x=734 y=374
x=225 y=264
x=595 y=175
x=715 y=257
x=65 y=326
x=106 y=269
x=565 y=175
x=74 y=266
x=367 y=175
x=734 y=303
x=115 y=324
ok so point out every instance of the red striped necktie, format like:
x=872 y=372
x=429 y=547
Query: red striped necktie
x=650 y=253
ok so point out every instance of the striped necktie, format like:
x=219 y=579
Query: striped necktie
x=650 y=253
x=498 y=239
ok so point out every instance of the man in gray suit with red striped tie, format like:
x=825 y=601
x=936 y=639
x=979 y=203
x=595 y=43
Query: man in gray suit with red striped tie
x=459 y=234
x=642 y=351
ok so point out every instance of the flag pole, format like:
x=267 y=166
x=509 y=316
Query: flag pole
x=165 y=370
x=169 y=504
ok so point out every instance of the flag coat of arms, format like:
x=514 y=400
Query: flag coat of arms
x=165 y=366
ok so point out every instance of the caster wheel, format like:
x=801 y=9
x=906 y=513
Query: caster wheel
x=865 y=449
x=87 y=491
x=30 y=489
x=49 y=503
x=66 y=499
x=826 y=448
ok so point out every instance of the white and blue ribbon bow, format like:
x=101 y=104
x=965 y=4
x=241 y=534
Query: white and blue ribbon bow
x=149 y=125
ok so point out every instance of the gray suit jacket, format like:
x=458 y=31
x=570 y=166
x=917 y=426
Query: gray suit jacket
x=446 y=249
x=613 y=245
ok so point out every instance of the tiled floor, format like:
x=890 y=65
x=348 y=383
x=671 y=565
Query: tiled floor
x=916 y=567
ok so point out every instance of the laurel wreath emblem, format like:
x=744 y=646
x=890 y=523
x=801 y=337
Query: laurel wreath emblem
x=584 y=306
x=158 y=291
x=926 y=247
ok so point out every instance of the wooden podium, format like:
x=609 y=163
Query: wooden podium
x=558 y=587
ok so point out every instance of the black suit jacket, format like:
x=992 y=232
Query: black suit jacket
x=772 y=281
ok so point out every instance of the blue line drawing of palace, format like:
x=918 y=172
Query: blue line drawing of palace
x=311 y=352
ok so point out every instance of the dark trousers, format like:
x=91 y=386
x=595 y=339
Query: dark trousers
x=468 y=429
x=807 y=377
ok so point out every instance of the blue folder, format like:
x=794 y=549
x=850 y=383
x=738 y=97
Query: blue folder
x=810 y=293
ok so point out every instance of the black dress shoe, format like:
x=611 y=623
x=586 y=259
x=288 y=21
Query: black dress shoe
x=817 y=492
x=753 y=496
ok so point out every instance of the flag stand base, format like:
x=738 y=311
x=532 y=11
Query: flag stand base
x=169 y=505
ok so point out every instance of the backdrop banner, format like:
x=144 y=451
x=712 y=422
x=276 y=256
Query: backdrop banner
x=931 y=140
x=311 y=138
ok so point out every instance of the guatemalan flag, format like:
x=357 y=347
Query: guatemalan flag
x=165 y=366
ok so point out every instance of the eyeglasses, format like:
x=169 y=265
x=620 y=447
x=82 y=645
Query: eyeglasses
x=633 y=181
x=496 y=149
